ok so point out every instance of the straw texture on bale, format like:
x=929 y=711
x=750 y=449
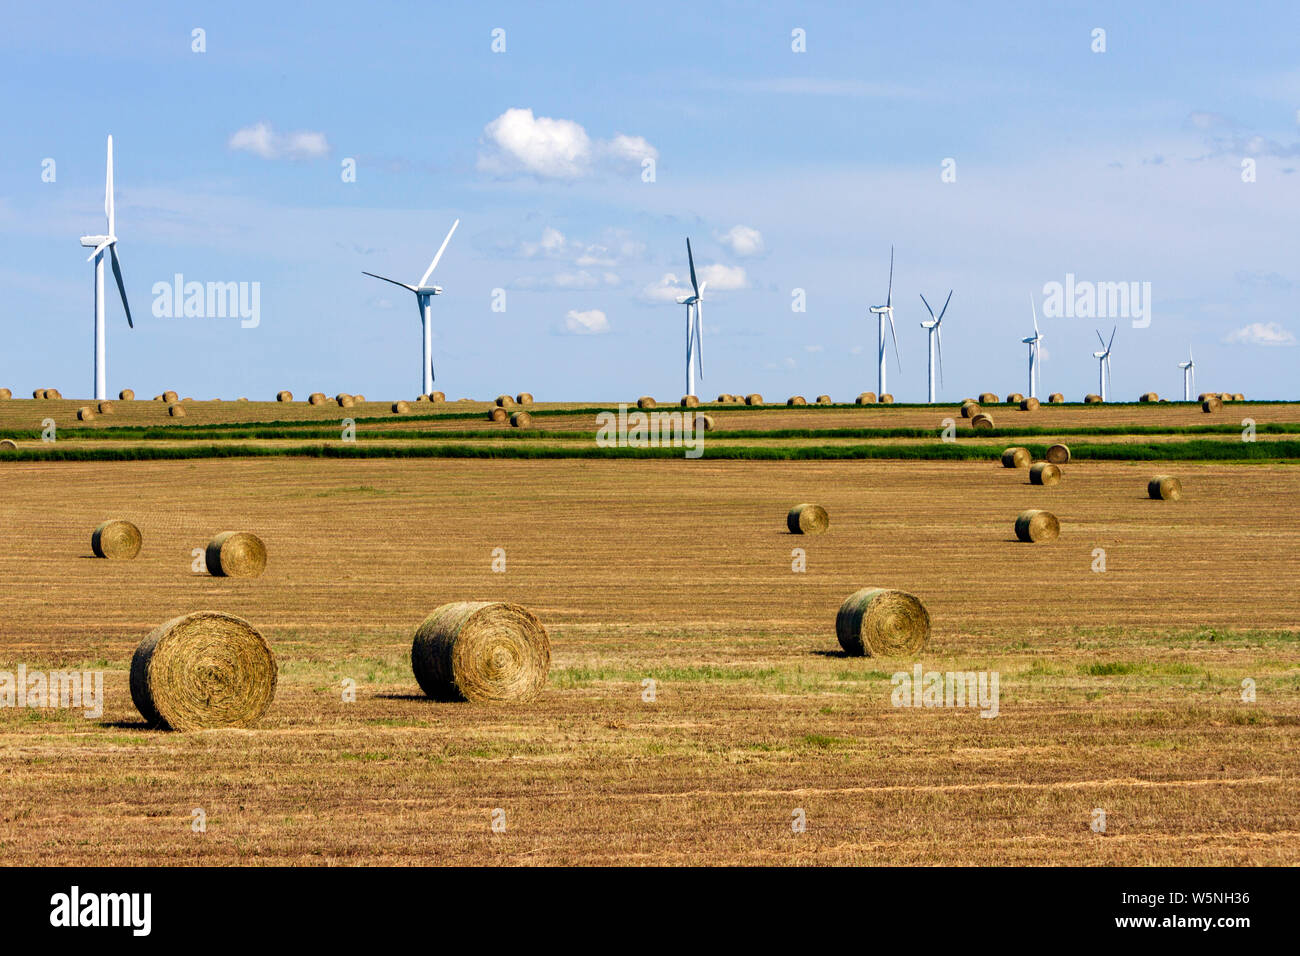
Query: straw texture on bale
x=1165 y=488
x=754 y=399
x=1238 y=397
x=1056 y=398
x=497 y=414
x=422 y=398
x=358 y=398
x=705 y=422
x=1029 y=404
x=521 y=420
x=1226 y=396
x=106 y=408
x=170 y=396
x=690 y=401
x=969 y=409
x=1044 y=473
x=236 y=554
x=437 y=397
x=38 y=393
x=284 y=396
x=203 y=670
x=645 y=401
x=5 y=394
x=1015 y=398
x=886 y=399
x=85 y=413
x=116 y=539
x=157 y=398
x=1058 y=454
x=807 y=519
x=176 y=410
x=486 y=651
x=1092 y=399
x=1037 y=525
x=982 y=420
x=796 y=400
x=1016 y=457
x=53 y=393
x=401 y=408
x=317 y=398
x=988 y=398
x=866 y=398
x=345 y=400
x=126 y=395
x=1212 y=404
x=505 y=401
x=824 y=400
x=882 y=622
x=524 y=398
x=8 y=444
x=724 y=398
x=1148 y=397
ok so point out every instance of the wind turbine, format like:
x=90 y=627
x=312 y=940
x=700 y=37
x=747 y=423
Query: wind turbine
x=695 y=332
x=881 y=311
x=936 y=333
x=1189 y=376
x=424 y=296
x=1103 y=362
x=102 y=244
x=1034 y=343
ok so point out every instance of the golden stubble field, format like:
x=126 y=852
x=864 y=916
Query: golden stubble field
x=1120 y=690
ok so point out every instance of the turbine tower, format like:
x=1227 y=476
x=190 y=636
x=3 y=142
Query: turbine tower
x=424 y=296
x=935 y=334
x=1189 y=376
x=694 y=330
x=1035 y=356
x=1103 y=363
x=101 y=244
x=881 y=311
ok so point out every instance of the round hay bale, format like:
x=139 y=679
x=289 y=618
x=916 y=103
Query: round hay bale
x=524 y=398
x=1037 y=525
x=38 y=393
x=1212 y=404
x=1029 y=404
x=8 y=444
x=754 y=399
x=1015 y=398
x=690 y=401
x=1058 y=454
x=824 y=400
x=705 y=422
x=882 y=622
x=126 y=395
x=866 y=398
x=203 y=670
x=116 y=539
x=106 y=408
x=170 y=396
x=437 y=397
x=236 y=554
x=988 y=398
x=157 y=398
x=5 y=394
x=53 y=393
x=723 y=398
x=969 y=409
x=422 y=398
x=1016 y=457
x=1226 y=396
x=982 y=420
x=317 y=398
x=505 y=401
x=176 y=410
x=807 y=519
x=486 y=651
x=886 y=399
x=521 y=419
x=1203 y=396
x=1091 y=399
x=401 y=408
x=1056 y=398
x=1165 y=488
x=1148 y=397
x=284 y=396
x=1238 y=397
x=345 y=400
x=1044 y=473
x=796 y=400
x=645 y=401
x=358 y=398
x=85 y=414
x=497 y=414
x=241 y=399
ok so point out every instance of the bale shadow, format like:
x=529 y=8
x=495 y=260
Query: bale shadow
x=127 y=725
x=401 y=697
x=839 y=653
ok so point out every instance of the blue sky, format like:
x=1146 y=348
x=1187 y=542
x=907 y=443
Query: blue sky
x=787 y=170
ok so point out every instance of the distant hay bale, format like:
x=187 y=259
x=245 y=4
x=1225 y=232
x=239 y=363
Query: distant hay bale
x=157 y=398
x=982 y=420
x=422 y=398
x=1238 y=397
x=807 y=519
x=126 y=395
x=345 y=400
x=482 y=651
x=524 y=398
x=8 y=444
x=1148 y=397
x=38 y=393
x=690 y=401
x=1044 y=473
x=796 y=400
x=521 y=419
x=969 y=409
x=988 y=398
x=1016 y=457
x=497 y=414
x=1037 y=525
x=1226 y=396
x=401 y=408
x=358 y=399
x=176 y=410
x=724 y=398
x=241 y=399
x=85 y=414
x=170 y=396
x=203 y=670
x=505 y=401
x=882 y=622
x=754 y=399
x=284 y=396
x=53 y=393
x=645 y=401
x=886 y=399
x=106 y=408
x=116 y=539
x=1056 y=398
x=1029 y=404
x=5 y=394
x=317 y=398
x=1092 y=399
x=1058 y=454
x=437 y=397
x=866 y=398
x=236 y=554
x=824 y=400
x=1165 y=488
x=1015 y=398
x=1212 y=404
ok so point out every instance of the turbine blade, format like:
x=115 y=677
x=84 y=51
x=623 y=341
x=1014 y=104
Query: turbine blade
x=927 y=307
x=939 y=336
x=1101 y=340
x=898 y=361
x=1112 y=338
x=889 y=294
x=432 y=265
x=699 y=336
x=100 y=248
x=108 y=190
x=945 y=307
x=691 y=259
x=121 y=286
x=393 y=281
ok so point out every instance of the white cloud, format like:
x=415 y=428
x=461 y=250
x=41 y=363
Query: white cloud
x=667 y=289
x=1260 y=333
x=261 y=139
x=743 y=240
x=519 y=142
x=591 y=322
x=723 y=278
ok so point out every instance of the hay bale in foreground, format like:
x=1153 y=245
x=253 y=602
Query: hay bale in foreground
x=1044 y=473
x=1058 y=454
x=754 y=399
x=5 y=394
x=203 y=670
x=988 y=398
x=317 y=398
x=236 y=554
x=505 y=401
x=886 y=399
x=1212 y=404
x=497 y=414
x=116 y=539
x=106 y=408
x=690 y=401
x=807 y=519
x=970 y=408
x=8 y=444
x=796 y=400
x=284 y=396
x=1029 y=404
x=126 y=395
x=1037 y=525
x=521 y=419
x=170 y=396
x=1148 y=397
x=645 y=401
x=1092 y=399
x=866 y=398
x=704 y=422
x=824 y=400
x=1016 y=457
x=85 y=414
x=176 y=410
x=882 y=622
x=486 y=651
x=1165 y=488
x=982 y=420
x=1056 y=398
x=401 y=408
x=436 y=397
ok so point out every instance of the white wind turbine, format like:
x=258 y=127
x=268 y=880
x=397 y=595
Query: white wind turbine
x=1189 y=376
x=881 y=311
x=102 y=244
x=694 y=331
x=936 y=333
x=1103 y=363
x=424 y=296
x=1035 y=356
